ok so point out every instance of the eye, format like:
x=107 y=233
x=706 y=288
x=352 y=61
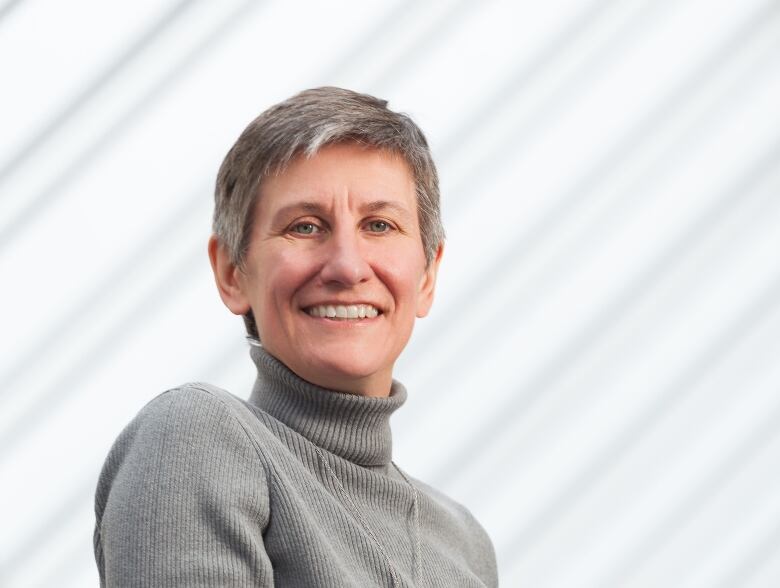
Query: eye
x=379 y=226
x=305 y=228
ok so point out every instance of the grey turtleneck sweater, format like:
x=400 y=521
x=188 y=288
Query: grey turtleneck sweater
x=293 y=488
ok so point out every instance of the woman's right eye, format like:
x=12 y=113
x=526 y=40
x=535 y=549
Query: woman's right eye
x=305 y=228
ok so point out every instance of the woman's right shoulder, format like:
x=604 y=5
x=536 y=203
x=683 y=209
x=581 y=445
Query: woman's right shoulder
x=186 y=461
x=195 y=418
x=190 y=405
x=192 y=400
x=192 y=436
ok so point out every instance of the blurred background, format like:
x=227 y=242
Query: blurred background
x=599 y=379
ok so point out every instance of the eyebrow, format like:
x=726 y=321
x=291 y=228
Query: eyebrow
x=315 y=208
x=283 y=213
x=381 y=205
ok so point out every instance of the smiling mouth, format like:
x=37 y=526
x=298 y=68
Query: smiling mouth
x=343 y=312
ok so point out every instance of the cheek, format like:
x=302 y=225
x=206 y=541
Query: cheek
x=280 y=277
x=403 y=275
x=275 y=306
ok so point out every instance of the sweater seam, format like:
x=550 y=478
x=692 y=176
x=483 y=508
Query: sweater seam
x=198 y=386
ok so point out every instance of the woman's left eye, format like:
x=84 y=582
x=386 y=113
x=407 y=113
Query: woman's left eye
x=378 y=226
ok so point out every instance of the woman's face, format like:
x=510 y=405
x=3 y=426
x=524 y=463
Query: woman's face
x=339 y=233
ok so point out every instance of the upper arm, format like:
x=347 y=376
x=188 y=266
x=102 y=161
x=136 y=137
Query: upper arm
x=182 y=499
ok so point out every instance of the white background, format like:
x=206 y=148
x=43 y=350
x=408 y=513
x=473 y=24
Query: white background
x=599 y=379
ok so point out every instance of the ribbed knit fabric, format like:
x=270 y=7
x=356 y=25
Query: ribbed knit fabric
x=293 y=488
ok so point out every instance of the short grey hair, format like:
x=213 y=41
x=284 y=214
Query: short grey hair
x=301 y=125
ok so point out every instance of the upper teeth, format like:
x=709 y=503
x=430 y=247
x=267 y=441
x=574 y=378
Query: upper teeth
x=352 y=311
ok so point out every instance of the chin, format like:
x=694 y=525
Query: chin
x=347 y=368
x=345 y=372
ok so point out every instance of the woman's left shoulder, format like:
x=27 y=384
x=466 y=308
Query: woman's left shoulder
x=466 y=530
x=455 y=508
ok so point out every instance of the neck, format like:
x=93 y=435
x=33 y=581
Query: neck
x=351 y=425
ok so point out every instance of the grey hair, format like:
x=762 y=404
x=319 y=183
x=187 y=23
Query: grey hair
x=301 y=125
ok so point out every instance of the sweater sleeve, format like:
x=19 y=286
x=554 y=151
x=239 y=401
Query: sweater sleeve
x=182 y=499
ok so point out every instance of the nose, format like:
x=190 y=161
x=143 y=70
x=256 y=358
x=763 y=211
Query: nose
x=345 y=262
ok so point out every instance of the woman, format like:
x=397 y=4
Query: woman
x=327 y=239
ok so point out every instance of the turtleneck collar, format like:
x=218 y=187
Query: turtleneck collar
x=351 y=426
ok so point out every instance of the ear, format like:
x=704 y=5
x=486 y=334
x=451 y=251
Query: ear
x=230 y=280
x=428 y=284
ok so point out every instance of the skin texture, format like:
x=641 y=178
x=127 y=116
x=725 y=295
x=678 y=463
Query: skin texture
x=339 y=228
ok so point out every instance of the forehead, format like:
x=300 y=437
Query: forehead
x=346 y=171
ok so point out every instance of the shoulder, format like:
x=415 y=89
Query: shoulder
x=184 y=476
x=459 y=512
x=191 y=435
x=472 y=536
x=197 y=413
x=195 y=410
x=193 y=400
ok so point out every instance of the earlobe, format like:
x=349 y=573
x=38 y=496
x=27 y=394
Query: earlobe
x=227 y=277
x=428 y=284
